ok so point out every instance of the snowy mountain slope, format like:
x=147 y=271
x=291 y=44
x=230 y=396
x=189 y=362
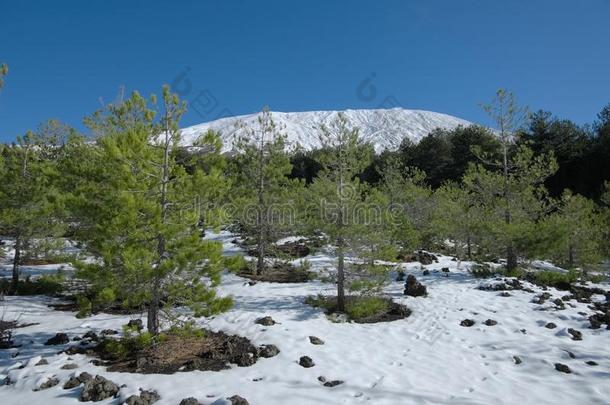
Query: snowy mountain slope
x=384 y=128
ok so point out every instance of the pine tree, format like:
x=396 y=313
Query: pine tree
x=262 y=187
x=509 y=118
x=574 y=232
x=338 y=191
x=458 y=218
x=512 y=201
x=140 y=212
x=408 y=205
x=30 y=200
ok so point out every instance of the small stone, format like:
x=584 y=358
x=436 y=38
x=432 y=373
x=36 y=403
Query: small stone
x=98 y=389
x=237 y=400
x=58 y=339
x=306 y=361
x=265 y=321
x=445 y=269
x=69 y=366
x=517 y=360
x=189 y=401
x=572 y=355
x=576 y=335
x=550 y=325
x=51 y=382
x=426 y=272
x=251 y=283
x=559 y=304
x=315 y=340
x=42 y=362
x=110 y=332
x=563 y=368
x=490 y=322
x=91 y=335
x=467 y=323
x=322 y=379
x=591 y=363
x=145 y=398
x=267 y=351
x=504 y=294
x=333 y=383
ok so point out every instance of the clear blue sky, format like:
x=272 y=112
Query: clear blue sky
x=446 y=56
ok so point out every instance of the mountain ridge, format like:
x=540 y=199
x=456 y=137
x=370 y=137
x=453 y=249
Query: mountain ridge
x=384 y=128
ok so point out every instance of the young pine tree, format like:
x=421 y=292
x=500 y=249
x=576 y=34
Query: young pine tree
x=512 y=202
x=574 y=232
x=140 y=211
x=337 y=191
x=510 y=118
x=262 y=187
x=30 y=200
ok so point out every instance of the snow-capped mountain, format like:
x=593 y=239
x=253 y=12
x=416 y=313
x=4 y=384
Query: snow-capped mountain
x=385 y=129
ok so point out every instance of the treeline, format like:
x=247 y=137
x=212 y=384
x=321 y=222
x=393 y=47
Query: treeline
x=582 y=153
x=138 y=200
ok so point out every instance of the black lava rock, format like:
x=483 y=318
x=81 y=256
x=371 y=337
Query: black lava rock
x=58 y=339
x=306 y=361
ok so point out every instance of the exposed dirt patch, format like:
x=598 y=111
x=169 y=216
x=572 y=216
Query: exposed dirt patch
x=214 y=351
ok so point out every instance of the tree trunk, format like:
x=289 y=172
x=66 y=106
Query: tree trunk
x=511 y=258
x=152 y=324
x=16 y=264
x=340 y=275
x=469 y=247
x=262 y=223
x=571 y=256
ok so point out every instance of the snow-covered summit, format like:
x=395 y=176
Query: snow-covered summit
x=384 y=128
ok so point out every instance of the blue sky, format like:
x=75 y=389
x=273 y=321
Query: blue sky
x=66 y=57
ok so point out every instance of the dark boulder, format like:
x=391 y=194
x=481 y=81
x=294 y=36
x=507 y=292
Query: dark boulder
x=490 y=322
x=562 y=368
x=315 y=340
x=135 y=324
x=189 y=401
x=98 y=389
x=414 y=288
x=237 y=400
x=51 y=382
x=58 y=339
x=467 y=323
x=268 y=351
x=306 y=361
x=265 y=321
x=145 y=398
x=576 y=335
x=550 y=325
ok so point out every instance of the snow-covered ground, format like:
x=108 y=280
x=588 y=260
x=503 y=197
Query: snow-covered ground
x=427 y=358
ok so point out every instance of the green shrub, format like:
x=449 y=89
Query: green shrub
x=482 y=270
x=516 y=272
x=554 y=278
x=50 y=284
x=235 y=264
x=597 y=278
x=188 y=329
x=365 y=307
x=85 y=307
